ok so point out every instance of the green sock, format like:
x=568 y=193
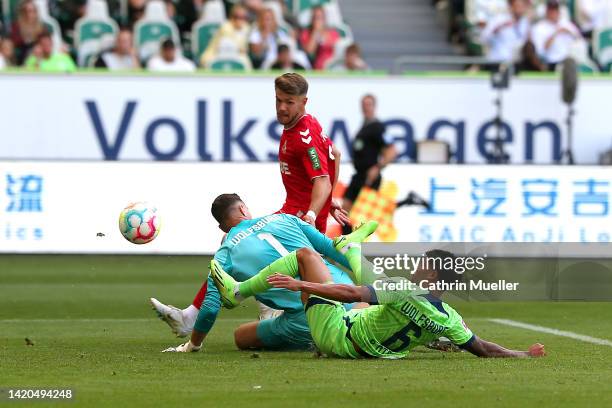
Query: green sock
x=287 y=265
x=352 y=253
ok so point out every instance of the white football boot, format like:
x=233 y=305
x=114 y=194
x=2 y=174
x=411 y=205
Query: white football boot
x=173 y=316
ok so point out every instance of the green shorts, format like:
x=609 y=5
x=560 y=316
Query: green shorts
x=329 y=324
x=290 y=330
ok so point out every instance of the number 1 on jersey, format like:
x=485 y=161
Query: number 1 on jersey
x=274 y=243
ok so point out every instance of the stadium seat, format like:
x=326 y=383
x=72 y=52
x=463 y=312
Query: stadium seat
x=51 y=24
x=213 y=12
x=227 y=64
x=587 y=67
x=94 y=32
x=203 y=30
x=345 y=32
x=229 y=58
x=152 y=29
x=602 y=47
x=201 y=34
x=580 y=52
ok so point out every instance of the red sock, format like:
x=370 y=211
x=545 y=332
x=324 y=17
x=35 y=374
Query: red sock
x=197 y=301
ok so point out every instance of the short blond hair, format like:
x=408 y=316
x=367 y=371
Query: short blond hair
x=292 y=84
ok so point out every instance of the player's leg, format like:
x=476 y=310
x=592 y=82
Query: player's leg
x=245 y=336
x=311 y=267
x=173 y=316
x=323 y=318
x=181 y=321
x=292 y=330
x=350 y=246
x=233 y=292
x=326 y=319
x=287 y=332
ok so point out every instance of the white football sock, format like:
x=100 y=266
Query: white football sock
x=190 y=314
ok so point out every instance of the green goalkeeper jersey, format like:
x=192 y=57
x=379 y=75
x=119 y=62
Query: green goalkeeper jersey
x=402 y=320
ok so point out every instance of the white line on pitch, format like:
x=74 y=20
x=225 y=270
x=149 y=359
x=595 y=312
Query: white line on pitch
x=548 y=330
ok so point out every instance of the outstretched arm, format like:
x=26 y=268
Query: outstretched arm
x=204 y=322
x=483 y=348
x=332 y=291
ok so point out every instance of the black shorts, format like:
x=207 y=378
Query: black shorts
x=357 y=182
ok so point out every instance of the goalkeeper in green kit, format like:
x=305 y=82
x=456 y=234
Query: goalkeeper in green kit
x=397 y=321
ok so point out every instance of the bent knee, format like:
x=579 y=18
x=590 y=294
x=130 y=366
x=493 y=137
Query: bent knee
x=245 y=336
x=240 y=341
x=304 y=253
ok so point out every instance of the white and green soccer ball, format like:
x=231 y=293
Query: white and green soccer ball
x=139 y=223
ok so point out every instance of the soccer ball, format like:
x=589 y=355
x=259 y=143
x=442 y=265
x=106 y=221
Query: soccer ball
x=139 y=223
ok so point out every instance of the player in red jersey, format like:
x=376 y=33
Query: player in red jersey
x=309 y=166
x=309 y=162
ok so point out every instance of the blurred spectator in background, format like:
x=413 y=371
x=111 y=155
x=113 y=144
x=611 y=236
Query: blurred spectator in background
x=7 y=53
x=284 y=60
x=592 y=14
x=265 y=37
x=235 y=30
x=506 y=34
x=318 y=40
x=372 y=151
x=25 y=30
x=169 y=59
x=253 y=6
x=187 y=13
x=352 y=60
x=553 y=37
x=288 y=16
x=67 y=13
x=136 y=9
x=43 y=58
x=482 y=11
x=170 y=9
x=122 y=57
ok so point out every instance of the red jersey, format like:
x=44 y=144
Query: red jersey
x=305 y=153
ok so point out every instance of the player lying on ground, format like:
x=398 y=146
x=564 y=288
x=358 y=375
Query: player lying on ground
x=309 y=166
x=399 y=321
x=255 y=244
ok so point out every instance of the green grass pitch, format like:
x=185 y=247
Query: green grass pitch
x=93 y=331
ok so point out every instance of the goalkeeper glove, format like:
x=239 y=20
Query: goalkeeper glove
x=188 y=347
